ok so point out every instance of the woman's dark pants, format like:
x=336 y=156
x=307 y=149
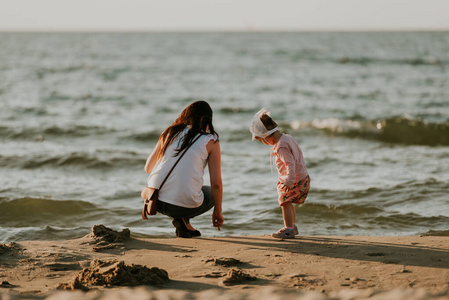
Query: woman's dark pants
x=177 y=212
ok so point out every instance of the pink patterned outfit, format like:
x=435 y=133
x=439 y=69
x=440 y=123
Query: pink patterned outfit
x=292 y=171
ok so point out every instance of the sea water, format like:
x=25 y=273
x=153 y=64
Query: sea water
x=81 y=112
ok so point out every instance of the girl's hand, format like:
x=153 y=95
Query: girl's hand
x=217 y=219
x=285 y=188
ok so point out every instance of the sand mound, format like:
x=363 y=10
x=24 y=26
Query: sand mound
x=103 y=233
x=6 y=248
x=301 y=281
x=98 y=263
x=236 y=276
x=224 y=261
x=116 y=274
x=6 y=284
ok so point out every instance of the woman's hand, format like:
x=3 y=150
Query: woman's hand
x=217 y=219
x=147 y=193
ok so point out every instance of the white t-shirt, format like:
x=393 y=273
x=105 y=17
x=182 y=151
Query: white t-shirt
x=183 y=186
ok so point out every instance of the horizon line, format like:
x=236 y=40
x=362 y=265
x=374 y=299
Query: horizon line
x=117 y=30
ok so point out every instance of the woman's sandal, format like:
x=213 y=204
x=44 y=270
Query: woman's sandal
x=182 y=231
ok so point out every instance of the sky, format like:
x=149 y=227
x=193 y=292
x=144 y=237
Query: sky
x=223 y=15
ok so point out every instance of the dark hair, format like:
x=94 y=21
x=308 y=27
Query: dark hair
x=198 y=116
x=268 y=122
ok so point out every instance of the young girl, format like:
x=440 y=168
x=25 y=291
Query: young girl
x=294 y=180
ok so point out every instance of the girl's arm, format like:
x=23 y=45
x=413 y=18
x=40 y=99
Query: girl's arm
x=214 y=164
x=152 y=159
x=289 y=160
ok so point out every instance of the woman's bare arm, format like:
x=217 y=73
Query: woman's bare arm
x=214 y=164
x=152 y=159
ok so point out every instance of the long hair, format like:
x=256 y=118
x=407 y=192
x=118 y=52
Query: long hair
x=198 y=116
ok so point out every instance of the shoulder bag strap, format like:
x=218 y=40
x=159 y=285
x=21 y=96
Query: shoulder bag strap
x=179 y=160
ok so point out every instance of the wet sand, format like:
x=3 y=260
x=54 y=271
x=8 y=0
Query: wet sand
x=241 y=267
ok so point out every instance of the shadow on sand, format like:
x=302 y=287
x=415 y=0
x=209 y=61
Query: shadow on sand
x=351 y=249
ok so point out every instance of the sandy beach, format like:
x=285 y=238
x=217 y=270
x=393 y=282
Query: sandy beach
x=240 y=267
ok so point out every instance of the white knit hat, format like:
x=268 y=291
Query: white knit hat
x=257 y=128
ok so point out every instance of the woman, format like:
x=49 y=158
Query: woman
x=183 y=195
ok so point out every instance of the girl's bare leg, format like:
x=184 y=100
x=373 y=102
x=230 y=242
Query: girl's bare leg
x=294 y=214
x=289 y=214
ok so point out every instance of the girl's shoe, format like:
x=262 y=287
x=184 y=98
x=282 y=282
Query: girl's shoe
x=295 y=229
x=284 y=233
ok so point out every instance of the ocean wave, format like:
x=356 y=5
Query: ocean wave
x=436 y=103
x=53 y=131
x=347 y=216
x=317 y=56
x=184 y=100
x=113 y=74
x=409 y=220
x=91 y=98
x=101 y=160
x=32 y=111
x=33 y=218
x=340 y=211
x=395 y=208
x=144 y=137
x=42 y=233
x=29 y=211
x=396 y=130
x=42 y=72
x=414 y=61
x=389 y=195
x=436 y=233
x=236 y=135
x=236 y=110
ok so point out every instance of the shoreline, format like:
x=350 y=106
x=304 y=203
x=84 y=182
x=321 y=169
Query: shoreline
x=324 y=266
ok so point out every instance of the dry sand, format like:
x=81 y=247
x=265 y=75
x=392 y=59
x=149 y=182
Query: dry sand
x=242 y=267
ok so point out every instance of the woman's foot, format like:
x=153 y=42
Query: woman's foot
x=193 y=231
x=183 y=230
x=189 y=226
x=182 y=234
